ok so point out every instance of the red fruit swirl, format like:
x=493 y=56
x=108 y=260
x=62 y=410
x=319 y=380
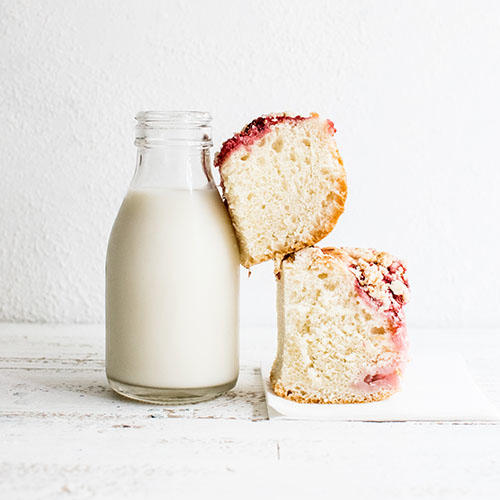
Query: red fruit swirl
x=255 y=130
x=394 y=312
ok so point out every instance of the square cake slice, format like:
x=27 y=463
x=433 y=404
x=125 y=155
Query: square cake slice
x=341 y=326
x=284 y=184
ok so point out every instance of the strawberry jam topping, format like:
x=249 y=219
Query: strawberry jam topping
x=331 y=127
x=255 y=130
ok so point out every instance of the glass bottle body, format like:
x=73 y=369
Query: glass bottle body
x=172 y=273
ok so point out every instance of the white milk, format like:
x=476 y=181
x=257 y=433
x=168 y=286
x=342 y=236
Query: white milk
x=172 y=291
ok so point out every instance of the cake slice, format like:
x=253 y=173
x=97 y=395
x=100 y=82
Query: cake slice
x=284 y=184
x=341 y=326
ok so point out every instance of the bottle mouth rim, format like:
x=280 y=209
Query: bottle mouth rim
x=173 y=128
x=167 y=119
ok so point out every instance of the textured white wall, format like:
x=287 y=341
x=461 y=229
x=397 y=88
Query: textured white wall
x=411 y=86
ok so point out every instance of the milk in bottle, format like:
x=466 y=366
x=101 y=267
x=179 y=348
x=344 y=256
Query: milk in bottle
x=172 y=271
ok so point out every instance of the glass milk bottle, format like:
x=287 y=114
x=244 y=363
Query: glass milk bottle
x=172 y=270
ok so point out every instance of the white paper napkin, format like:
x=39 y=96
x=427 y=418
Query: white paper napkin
x=435 y=388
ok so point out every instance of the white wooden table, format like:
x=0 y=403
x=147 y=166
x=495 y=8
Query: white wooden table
x=64 y=434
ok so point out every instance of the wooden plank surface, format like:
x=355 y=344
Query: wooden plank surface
x=64 y=434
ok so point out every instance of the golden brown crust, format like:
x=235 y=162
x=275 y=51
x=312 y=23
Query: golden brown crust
x=331 y=251
x=327 y=257
x=291 y=395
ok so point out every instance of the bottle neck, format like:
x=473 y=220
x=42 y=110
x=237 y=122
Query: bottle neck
x=173 y=150
x=173 y=167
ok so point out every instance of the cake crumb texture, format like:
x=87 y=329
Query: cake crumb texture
x=284 y=184
x=341 y=326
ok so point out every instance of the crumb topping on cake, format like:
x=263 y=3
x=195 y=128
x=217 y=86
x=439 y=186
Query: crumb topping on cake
x=380 y=279
x=256 y=129
x=383 y=280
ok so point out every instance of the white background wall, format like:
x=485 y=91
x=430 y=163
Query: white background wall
x=413 y=88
